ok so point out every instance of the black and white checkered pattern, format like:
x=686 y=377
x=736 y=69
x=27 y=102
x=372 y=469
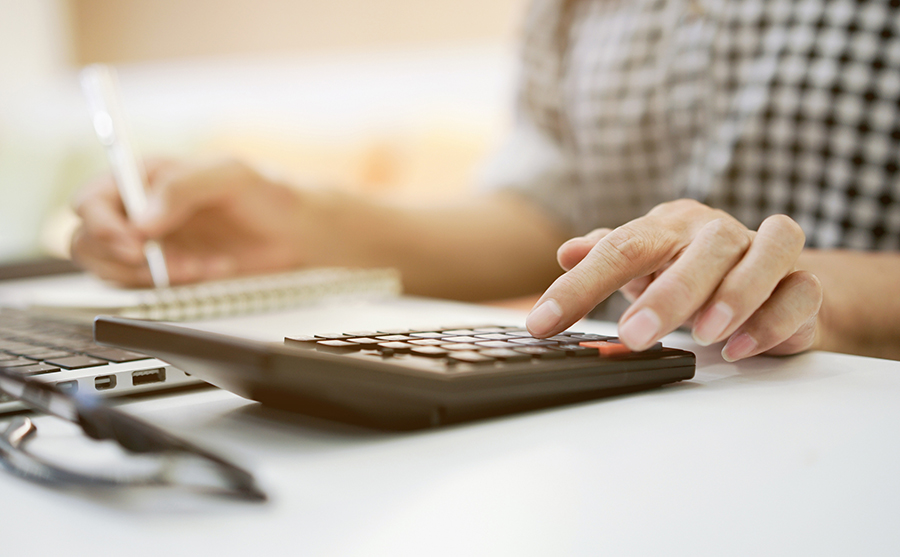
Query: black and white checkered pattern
x=756 y=107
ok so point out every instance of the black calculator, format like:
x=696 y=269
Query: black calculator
x=407 y=378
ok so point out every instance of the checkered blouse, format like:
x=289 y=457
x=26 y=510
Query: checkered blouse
x=752 y=106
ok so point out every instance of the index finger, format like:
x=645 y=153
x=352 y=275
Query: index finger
x=633 y=250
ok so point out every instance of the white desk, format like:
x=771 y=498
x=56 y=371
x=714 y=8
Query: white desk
x=796 y=456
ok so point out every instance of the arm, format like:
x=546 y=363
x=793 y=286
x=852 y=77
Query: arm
x=477 y=248
x=223 y=218
x=861 y=309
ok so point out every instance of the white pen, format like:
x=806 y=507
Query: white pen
x=101 y=87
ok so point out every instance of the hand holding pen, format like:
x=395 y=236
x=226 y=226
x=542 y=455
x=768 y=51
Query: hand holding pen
x=100 y=86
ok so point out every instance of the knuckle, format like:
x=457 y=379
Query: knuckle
x=597 y=234
x=683 y=205
x=728 y=233
x=580 y=285
x=786 y=229
x=629 y=247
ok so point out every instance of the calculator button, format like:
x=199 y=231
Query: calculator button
x=533 y=342
x=331 y=336
x=471 y=357
x=460 y=346
x=426 y=335
x=302 y=340
x=396 y=346
x=337 y=345
x=461 y=338
x=493 y=336
x=394 y=338
x=566 y=339
x=607 y=348
x=590 y=337
x=459 y=332
x=505 y=354
x=365 y=341
x=540 y=352
x=430 y=351
x=497 y=344
x=518 y=333
x=427 y=342
x=575 y=350
x=361 y=334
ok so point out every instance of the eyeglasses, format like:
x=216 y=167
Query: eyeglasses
x=180 y=463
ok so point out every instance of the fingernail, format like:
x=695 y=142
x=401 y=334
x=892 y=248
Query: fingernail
x=739 y=347
x=543 y=318
x=713 y=323
x=640 y=330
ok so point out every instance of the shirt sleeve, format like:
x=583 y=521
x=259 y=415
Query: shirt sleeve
x=535 y=160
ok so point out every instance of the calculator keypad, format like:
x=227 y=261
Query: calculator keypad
x=479 y=347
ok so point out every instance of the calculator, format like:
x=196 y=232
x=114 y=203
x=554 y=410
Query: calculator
x=407 y=378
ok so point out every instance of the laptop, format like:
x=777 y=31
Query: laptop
x=62 y=351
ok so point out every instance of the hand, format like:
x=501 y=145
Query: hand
x=682 y=263
x=215 y=219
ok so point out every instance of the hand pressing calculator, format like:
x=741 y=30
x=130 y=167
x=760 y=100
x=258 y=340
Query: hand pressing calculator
x=407 y=379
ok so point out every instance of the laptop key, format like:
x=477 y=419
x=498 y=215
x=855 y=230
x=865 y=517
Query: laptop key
x=76 y=362
x=48 y=354
x=116 y=355
x=36 y=369
x=18 y=362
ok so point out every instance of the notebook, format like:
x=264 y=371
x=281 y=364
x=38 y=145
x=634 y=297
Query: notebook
x=84 y=296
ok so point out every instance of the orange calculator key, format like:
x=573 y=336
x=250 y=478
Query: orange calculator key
x=606 y=348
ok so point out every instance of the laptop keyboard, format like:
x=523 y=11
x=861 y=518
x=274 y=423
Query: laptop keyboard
x=35 y=345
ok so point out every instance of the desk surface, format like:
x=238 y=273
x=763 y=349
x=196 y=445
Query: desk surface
x=792 y=456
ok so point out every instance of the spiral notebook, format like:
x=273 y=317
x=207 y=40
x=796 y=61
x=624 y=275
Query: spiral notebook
x=83 y=296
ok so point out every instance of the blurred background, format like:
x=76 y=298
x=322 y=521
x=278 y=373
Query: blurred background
x=392 y=97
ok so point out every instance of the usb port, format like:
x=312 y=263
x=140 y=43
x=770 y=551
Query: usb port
x=148 y=376
x=105 y=382
x=67 y=386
